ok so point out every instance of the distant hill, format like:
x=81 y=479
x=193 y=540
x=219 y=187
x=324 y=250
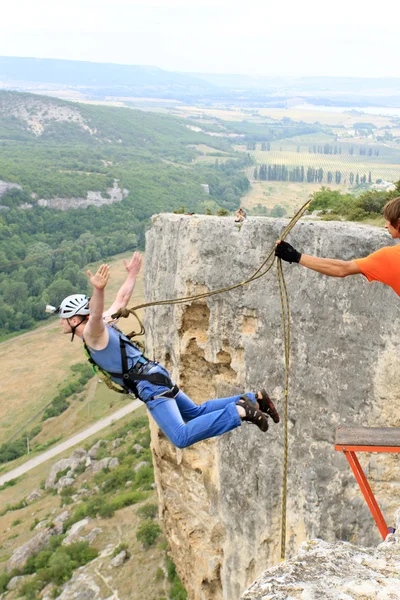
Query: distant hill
x=103 y=80
x=98 y=80
x=84 y=73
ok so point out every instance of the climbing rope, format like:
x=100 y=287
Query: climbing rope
x=285 y=313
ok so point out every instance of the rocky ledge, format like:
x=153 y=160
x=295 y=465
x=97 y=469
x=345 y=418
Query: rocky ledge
x=338 y=571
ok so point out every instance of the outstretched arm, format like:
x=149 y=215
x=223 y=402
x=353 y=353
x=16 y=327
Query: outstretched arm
x=125 y=292
x=96 y=327
x=330 y=266
x=327 y=266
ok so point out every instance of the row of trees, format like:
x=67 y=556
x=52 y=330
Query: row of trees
x=319 y=149
x=311 y=175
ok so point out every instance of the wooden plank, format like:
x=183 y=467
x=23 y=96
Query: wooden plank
x=368 y=436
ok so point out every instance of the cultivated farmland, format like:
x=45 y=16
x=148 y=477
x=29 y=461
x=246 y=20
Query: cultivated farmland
x=386 y=166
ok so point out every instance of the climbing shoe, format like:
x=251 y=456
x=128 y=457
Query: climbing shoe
x=267 y=406
x=252 y=414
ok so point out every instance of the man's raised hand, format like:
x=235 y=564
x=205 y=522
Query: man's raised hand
x=100 y=278
x=134 y=265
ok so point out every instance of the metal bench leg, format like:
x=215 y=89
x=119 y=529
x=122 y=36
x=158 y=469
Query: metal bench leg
x=367 y=492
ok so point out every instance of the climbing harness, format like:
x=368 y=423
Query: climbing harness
x=131 y=376
x=285 y=311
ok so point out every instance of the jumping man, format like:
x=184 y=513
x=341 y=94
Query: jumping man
x=181 y=420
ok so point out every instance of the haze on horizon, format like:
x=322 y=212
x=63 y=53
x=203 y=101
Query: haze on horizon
x=214 y=36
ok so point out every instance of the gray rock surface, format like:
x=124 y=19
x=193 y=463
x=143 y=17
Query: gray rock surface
x=15 y=582
x=94 y=450
x=99 y=465
x=74 y=532
x=221 y=499
x=93 y=198
x=5 y=186
x=64 y=482
x=142 y=463
x=34 y=495
x=114 y=462
x=33 y=546
x=338 y=571
x=81 y=587
x=118 y=560
x=77 y=458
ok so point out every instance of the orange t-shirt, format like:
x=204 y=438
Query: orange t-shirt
x=383 y=265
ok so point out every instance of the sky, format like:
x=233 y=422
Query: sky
x=309 y=37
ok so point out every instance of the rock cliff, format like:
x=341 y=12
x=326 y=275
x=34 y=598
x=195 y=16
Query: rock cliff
x=220 y=499
x=338 y=571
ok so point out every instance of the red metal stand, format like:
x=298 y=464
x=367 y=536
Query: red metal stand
x=349 y=452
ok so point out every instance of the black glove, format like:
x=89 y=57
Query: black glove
x=286 y=252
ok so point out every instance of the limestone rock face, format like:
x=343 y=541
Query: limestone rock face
x=5 y=186
x=221 y=499
x=114 y=194
x=30 y=548
x=336 y=571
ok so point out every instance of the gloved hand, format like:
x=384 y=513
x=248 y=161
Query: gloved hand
x=286 y=252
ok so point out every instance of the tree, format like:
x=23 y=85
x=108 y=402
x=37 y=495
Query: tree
x=147 y=533
x=278 y=211
x=58 y=290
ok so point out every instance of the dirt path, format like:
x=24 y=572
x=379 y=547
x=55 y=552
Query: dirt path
x=76 y=439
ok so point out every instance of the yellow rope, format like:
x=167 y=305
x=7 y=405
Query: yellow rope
x=285 y=311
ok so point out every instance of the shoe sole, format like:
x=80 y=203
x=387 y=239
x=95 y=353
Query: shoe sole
x=267 y=406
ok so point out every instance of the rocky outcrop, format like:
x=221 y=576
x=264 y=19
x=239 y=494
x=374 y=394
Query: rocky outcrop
x=5 y=186
x=336 y=571
x=30 y=548
x=114 y=194
x=221 y=499
x=39 y=113
x=77 y=458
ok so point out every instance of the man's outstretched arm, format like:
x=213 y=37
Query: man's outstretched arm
x=327 y=266
x=96 y=327
x=125 y=291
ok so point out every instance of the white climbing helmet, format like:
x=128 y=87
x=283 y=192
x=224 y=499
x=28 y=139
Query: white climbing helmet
x=77 y=304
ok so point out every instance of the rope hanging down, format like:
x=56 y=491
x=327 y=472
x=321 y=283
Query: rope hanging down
x=285 y=313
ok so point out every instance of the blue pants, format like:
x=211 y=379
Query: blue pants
x=184 y=422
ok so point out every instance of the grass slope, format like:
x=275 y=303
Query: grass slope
x=142 y=576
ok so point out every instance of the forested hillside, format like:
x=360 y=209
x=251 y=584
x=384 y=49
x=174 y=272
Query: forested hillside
x=53 y=149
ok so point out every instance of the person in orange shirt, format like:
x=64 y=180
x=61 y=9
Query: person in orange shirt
x=383 y=265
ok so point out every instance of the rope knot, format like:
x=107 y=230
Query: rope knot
x=122 y=312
